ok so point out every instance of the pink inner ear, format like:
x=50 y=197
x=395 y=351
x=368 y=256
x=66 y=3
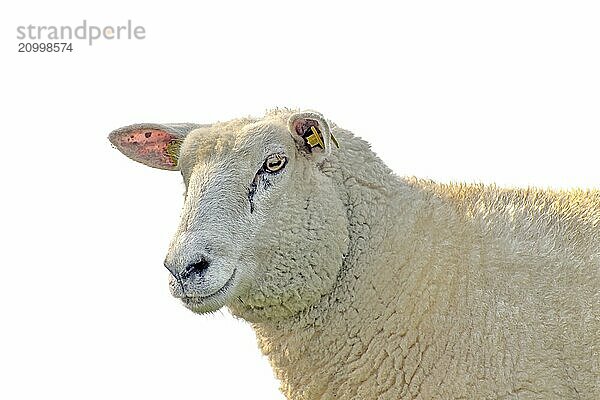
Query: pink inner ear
x=148 y=146
x=302 y=126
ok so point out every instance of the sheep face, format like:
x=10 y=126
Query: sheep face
x=263 y=230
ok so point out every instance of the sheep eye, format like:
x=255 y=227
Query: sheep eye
x=274 y=163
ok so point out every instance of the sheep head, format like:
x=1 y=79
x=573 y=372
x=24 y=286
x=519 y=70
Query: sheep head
x=263 y=230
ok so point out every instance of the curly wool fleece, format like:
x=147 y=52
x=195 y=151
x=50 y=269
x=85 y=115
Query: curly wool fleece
x=364 y=285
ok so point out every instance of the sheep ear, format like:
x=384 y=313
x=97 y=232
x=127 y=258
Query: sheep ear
x=154 y=145
x=312 y=133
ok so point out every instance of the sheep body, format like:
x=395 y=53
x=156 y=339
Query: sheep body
x=449 y=291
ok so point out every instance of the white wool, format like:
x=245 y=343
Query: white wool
x=364 y=285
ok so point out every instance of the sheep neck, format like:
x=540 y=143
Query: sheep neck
x=309 y=351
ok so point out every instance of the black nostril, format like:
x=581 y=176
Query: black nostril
x=196 y=268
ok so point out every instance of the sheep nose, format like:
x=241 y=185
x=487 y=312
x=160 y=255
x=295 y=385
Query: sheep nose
x=195 y=269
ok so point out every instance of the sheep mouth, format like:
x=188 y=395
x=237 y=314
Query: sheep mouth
x=212 y=301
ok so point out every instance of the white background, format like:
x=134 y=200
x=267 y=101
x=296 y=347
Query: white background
x=505 y=92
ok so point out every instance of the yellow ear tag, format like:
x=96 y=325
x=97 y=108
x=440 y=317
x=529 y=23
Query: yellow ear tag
x=315 y=139
x=335 y=141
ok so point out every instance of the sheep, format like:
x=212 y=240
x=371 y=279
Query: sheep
x=361 y=284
